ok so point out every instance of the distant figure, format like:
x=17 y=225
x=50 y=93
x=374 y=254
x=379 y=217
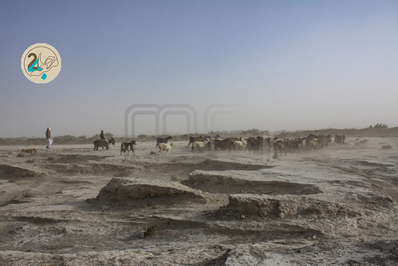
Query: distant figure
x=48 y=137
x=102 y=135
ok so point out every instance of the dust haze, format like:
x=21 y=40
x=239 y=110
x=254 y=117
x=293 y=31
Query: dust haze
x=219 y=204
x=282 y=114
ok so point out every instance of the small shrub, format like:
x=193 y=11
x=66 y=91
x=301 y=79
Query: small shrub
x=173 y=178
x=386 y=147
x=152 y=152
x=50 y=158
x=174 y=160
x=253 y=131
x=151 y=230
x=27 y=195
x=108 y=135
x=20 y=155
x=30 y=161
x=65 y=137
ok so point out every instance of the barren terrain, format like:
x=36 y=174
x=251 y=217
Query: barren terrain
x=71 y=205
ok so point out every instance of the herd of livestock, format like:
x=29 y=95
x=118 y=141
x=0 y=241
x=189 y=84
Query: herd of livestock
x=259 y=144
x=252 y=144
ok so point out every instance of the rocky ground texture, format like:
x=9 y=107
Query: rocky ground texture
x=71 y=205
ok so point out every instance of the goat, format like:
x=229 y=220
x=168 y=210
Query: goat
x=165 y=147
x=200 y=145
x=279 y=145
x=162 y=140
x=313 y=144
x=325 y=142
x=194 y=139
x=240 y=145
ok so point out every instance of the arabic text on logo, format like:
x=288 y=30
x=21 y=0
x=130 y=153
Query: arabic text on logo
x=41 y=63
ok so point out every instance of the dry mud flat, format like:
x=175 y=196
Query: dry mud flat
x=75 y=206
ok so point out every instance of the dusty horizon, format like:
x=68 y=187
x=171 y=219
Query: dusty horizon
x=261 y=132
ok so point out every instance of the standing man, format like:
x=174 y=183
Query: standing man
x=48 y=137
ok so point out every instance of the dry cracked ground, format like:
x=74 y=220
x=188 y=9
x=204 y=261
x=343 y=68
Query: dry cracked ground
x=71 y=205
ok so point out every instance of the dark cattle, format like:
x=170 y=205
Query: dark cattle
x=217 y=144
x=255 y=146
x=310 y=137
x=293 y=145
x=162 y=140
x=300 y=141
x=339 y=139
x=127 y=146
x=225 y=144
x=209 y=144
x=267 y=143
x=324 y=140
x=279 y=146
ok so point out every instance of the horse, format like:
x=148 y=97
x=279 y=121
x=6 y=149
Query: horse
x=102 y=143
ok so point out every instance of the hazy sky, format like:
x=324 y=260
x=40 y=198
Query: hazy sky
x=292 y=65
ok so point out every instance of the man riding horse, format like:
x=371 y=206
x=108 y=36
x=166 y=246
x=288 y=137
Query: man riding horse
x=102 y=136
x=103 y=142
